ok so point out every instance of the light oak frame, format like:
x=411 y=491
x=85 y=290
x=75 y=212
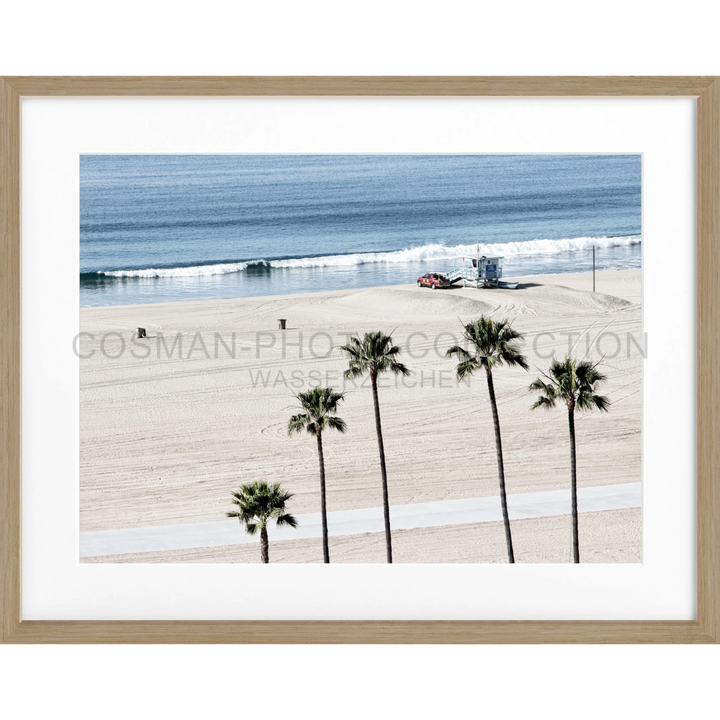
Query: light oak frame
x=706 y=629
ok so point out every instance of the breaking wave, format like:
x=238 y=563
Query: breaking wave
x=430 y=252
x=193 y=271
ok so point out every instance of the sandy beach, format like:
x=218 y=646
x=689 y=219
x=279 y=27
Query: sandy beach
x=171 y=424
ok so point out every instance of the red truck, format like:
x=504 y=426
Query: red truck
x=434 y=281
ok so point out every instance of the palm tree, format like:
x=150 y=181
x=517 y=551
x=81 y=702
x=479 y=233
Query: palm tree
x=573 y=383
x=320 y=406
x=493 y=344
x=258 y=503
x=376 y=354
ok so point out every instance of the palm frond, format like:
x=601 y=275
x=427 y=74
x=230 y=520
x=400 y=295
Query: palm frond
x=602 y=402
x=461 y=352
x=287 y=519
x=466 y=368
x=512 y=356
x=355 y=369
x=588 y=374
x=541 y=386
x=336 y=423
x=543 y=401
x=298 y=423
x=548 y=394
x=590 y=401
x=398 y=368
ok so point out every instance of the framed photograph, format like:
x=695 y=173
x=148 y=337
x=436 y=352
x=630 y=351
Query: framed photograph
x=360 y=359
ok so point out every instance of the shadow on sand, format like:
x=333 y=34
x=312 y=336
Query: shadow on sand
x=520 y=286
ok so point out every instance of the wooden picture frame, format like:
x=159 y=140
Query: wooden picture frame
x=705 y=629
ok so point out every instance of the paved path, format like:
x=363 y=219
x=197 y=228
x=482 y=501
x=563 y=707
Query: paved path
x=355 y=522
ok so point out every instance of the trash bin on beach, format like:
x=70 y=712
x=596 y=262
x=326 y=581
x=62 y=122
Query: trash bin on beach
x=281 y=323
x=141 y=332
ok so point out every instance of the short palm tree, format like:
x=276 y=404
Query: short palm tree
x=258 y=503
x=493 y=344
x=375 y=354
x=320 y=406
x=574 y=383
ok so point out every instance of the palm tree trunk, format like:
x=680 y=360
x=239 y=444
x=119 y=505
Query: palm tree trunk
x=323 y=508
x=501 y=466
x=383 y=471
x=573 y=485
x=264 y=550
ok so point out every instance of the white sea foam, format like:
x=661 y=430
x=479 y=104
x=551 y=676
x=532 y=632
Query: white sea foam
x=194 y=271
x=430 y=252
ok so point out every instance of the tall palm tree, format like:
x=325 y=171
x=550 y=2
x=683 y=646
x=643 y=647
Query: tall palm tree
x=493 y=344
x=320 y=406
x=258 y=503
x=574 y=383
x=375 y=354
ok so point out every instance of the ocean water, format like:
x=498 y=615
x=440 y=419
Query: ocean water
x=165 y=228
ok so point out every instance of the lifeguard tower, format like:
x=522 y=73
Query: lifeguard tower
x=483 y=271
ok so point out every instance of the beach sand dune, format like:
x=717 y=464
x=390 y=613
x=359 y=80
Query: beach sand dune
x=171 y=424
